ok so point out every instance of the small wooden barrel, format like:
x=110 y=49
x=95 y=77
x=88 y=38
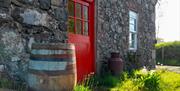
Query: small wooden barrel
x=52 y=67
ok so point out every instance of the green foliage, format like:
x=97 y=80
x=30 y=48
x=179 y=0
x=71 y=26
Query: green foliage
x=142 y=80
x=139 y=81
x=108 y=81
x=88 y=83
x=149 y=82
x=172 y=62
x=82 y=88
x=167 y=44
x=168 y=53
x=170 y=81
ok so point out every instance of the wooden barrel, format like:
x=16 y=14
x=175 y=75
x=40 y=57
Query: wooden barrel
x=52 y=67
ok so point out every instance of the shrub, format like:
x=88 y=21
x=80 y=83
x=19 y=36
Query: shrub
x=139 y=81
x=108 y=81
x=171 y=53
x=151 y=82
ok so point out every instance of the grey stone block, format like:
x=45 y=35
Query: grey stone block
x=33 y=17
x=45 y=4
x=5 y=3
x=60 y=14
x=58 y=2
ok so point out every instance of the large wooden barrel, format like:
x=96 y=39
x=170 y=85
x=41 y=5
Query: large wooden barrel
x=52 y=67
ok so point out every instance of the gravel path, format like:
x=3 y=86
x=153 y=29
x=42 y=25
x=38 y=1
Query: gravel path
x=170 y=68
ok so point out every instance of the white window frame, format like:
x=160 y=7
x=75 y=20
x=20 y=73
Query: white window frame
x=133 y=15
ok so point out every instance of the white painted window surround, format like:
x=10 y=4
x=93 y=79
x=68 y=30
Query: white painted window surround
x=133 y=20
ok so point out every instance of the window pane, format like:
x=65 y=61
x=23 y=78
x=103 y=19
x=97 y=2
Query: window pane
x=131 y=20
x=71 y=8
x=132 y=14
x=86 y=28
x=132 y=37
x=71 y=25
x=133 y=44
x=85 y=10
x=78 y=10
x=78 y=26
x=132 y=28
x=132 y=40
x=135 y=25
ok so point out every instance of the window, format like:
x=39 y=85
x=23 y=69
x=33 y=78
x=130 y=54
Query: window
x=78 y=22
x=132 y=30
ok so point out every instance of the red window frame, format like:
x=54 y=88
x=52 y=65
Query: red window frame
x=82 y=18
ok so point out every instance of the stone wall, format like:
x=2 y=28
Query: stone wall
x=23 y=22
x=112 y=31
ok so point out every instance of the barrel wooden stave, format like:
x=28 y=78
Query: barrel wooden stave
x=52 y=83
x=52 y=67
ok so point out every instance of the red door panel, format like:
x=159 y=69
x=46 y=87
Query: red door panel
x=82 y=35
x=83 y=55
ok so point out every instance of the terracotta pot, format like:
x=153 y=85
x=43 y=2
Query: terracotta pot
x=115 y=64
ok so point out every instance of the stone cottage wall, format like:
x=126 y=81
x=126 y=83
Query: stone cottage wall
x=112 y=31
x=23 y=22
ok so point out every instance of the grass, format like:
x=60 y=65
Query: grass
x=170 y=81
x=142 y=80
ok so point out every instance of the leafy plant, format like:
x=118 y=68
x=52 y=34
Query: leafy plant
x=108 y=81
x=139 y=81
x=168 y=53
x=150 y=82
x=82 y=88
x=87 y=84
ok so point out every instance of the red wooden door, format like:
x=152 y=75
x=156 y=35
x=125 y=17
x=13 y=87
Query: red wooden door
x=81 y=33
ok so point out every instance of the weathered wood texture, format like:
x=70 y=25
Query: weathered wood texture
x=52 y=67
